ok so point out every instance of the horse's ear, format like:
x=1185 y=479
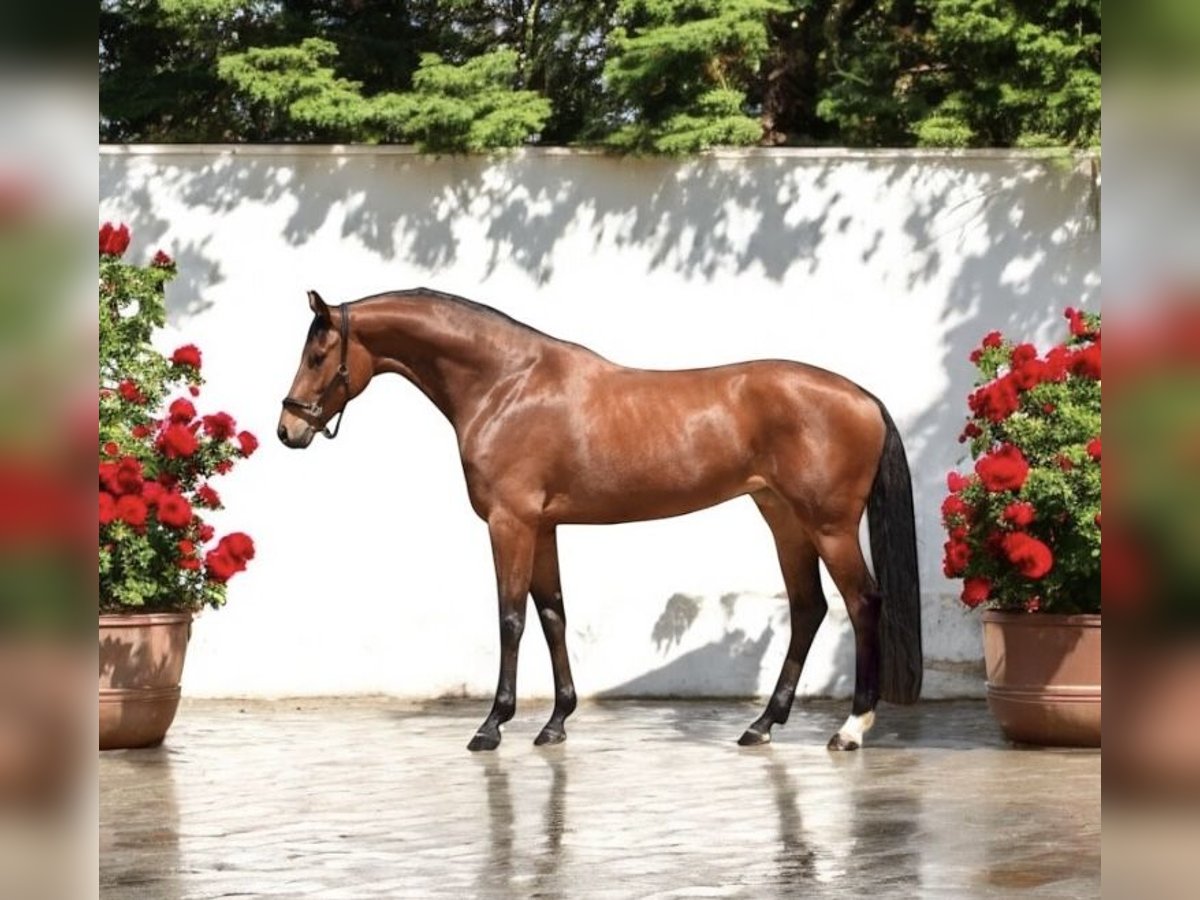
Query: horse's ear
x=317 y=305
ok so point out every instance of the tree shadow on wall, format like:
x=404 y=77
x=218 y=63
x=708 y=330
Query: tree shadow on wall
x=1021 y=236
x=730 y=666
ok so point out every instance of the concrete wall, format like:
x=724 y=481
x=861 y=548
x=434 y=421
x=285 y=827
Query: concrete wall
x=373 y=574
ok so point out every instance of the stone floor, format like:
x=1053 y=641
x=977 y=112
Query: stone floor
x=377 y=798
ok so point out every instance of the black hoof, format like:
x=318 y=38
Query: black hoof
x=837 y=742
x=550 y=735
x=752 y=738
x=484 y=741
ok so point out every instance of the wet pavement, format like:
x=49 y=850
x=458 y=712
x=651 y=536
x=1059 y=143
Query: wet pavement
x=375 y=797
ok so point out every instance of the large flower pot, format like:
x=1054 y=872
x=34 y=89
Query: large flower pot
x=1043 y=677
x=141 y=663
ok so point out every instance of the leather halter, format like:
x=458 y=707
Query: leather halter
x=315 y=408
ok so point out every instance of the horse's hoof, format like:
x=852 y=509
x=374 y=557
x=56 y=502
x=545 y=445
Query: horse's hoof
x=839 y=742
x=483 y=741
x=752 y=738
x=549 y=735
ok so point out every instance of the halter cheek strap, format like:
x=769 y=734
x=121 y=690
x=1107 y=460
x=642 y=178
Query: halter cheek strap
x=316 y=408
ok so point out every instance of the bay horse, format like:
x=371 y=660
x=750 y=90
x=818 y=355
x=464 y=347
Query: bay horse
x=551 y=433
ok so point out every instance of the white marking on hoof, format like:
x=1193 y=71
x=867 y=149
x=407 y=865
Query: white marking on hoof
x=856 y=727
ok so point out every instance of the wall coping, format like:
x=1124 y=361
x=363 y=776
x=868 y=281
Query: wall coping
x=823 y=153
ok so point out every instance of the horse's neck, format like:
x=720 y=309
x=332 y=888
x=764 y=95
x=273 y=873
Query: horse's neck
x=453 y=354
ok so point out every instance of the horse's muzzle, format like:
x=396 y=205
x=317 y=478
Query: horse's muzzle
x=296 y=441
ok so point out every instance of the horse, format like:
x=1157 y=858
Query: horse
x=551 y=433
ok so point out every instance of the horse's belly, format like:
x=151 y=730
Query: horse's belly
x=637 y=499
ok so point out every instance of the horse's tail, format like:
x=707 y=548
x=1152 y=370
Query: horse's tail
x=893 y=532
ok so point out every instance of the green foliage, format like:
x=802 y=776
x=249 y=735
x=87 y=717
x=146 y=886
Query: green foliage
x=658 y=76
x=466 y=108
x=680 y=69
x=1013 y=73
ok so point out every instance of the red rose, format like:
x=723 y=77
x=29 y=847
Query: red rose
x=162 y=261
x=975 y=591
x=953 y=506
x=206 y=532
x=190 y=563
x=956 y=482
x=108 y=507
x=108 y=477
x=1022 y=354
x=1019 y=513
x=1028 y=374
x=219 y=426
x=174 y=511
x=1049 y=408
x=152 y=492
x=247 y=442
x=181 y=410
x=996 y=401
x=113 y=241
x=220 y=567
x=187 y=355
x=132 y=510
x=1057 y=361
x=223 y=466
x=111 y=449
x=1093 y=449
x=958 y=554
x=1079 y=327
x=208 y=497
x=992 y=339
x=140 y=431
x=1028 y=554
x=186 y=547
x=176 y=441
x=129 y=391
x=969 y=432
x=1064 y=463
x=1004 y=469
x=238 y=545
x=128 y=476
x=1086 y=362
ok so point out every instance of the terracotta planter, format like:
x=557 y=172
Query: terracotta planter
x=1043 y=677
x=141 y=663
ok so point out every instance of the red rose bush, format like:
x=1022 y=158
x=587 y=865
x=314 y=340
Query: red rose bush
x=158 y=452
x=1023 y=526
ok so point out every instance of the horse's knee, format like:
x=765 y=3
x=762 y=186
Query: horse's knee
x=512 y=626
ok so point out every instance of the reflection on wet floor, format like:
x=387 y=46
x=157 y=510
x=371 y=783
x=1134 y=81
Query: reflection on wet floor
x=376 y=798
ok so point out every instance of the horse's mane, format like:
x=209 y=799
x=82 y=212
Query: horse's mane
x=471 y=305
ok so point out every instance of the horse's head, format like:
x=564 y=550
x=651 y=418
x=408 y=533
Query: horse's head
x=333 y=369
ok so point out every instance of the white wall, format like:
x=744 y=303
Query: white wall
x=373 y=574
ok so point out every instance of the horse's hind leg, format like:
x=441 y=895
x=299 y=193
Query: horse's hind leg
x=547 y=596
x=806 y=601
x=843 y=557
x=512 y=549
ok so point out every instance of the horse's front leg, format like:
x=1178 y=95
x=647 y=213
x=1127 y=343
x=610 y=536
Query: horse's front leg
x=513 y=543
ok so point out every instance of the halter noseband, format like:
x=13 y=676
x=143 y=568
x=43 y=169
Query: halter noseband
x=316 y=407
